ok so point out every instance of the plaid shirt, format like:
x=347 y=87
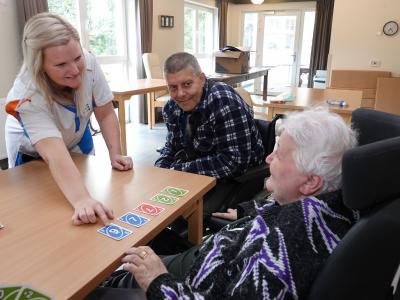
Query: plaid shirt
x=224 y=140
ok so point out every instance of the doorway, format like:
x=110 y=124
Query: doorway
x=282 y=41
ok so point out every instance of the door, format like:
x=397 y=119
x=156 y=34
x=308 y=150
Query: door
x=280 y=40
x=280 y=48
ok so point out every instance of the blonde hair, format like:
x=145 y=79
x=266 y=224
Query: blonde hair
x=42 y=31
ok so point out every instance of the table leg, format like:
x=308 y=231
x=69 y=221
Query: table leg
x=195 y=223
x=122 y=126
x=265 y=87
x=270 y=115
x=150 y=110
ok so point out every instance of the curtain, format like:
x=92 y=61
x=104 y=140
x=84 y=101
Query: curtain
x=29 y=8
x=145 y=25
x=321 y=37
x=222 y=21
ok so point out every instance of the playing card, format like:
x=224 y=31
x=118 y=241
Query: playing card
x=9 y=292
x=164 y=199
x=114 y=231
x=133 y=219
x=27 y=293
x=174 y=191
x=149 y=209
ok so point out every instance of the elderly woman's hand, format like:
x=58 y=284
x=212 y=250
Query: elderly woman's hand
x=144 y=264
x=231 y=214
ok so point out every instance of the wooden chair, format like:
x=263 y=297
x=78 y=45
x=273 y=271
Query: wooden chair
x=246 y=96
x=153 y=69
x=388 y=95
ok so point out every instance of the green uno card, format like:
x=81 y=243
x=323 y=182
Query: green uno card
x=9 y=292
x=174 y=191
x=28 y=293
x=164 y=199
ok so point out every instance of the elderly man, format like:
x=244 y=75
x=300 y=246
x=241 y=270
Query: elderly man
x=211 y=130
x=276 y=253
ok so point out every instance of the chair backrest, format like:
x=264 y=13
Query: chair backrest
x=388 y=95
x=267 y=130
x=374 y=125
x=245 y=95
x=153 y=70
x=152 y=66
x=364 y=264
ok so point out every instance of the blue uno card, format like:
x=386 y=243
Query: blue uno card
x=114 y=231
x=133 y=219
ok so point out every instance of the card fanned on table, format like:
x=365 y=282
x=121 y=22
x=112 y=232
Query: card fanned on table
x=23 y=292
x=114 y=231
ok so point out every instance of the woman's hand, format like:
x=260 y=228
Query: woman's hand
x=88 y=210
x=231 y=214
x=120 y=162
x=144 y=264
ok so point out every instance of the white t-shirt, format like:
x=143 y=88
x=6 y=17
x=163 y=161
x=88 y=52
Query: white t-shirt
x=37 y=121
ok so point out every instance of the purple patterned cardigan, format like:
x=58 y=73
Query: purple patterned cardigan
x=275 y=255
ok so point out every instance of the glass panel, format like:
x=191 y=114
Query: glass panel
x=278 y=50
x=205 y=20
x=114 y=73
x=189 y=29
x=308 y=29
x=106 y=32
x=250 y=35
x=199 y=35
x=66 y=8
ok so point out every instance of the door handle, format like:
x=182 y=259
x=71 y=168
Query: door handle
x=294 y=55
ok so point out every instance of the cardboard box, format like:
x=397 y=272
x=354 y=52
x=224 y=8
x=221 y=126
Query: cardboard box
x=232 y=62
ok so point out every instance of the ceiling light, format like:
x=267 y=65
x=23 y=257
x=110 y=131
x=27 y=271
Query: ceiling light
x=257 y=1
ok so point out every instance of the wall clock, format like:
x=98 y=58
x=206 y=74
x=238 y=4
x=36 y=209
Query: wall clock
x=390 y=28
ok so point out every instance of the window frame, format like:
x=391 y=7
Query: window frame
x=214 y=12
x=103 y=60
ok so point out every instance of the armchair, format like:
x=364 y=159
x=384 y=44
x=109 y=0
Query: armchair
x=366 y=263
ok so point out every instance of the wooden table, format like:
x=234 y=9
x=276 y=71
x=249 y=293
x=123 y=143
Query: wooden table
x=233 y=79
x=39 y=246
x=124 y=91
x=307 y=97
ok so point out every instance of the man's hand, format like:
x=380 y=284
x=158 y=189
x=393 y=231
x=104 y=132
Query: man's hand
x=231 y=214
x=88 y=210
x=120 y=162
x=144 y=264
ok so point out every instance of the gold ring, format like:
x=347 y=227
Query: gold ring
x=143 y=254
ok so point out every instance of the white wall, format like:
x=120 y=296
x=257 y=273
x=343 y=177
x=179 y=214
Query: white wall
x=10 y=57
x=167 y=41
x=355 y=36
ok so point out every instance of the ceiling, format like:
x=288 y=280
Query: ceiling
x=267 y=1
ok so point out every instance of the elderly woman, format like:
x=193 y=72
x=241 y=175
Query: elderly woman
x=58 y=89
x=277 y=253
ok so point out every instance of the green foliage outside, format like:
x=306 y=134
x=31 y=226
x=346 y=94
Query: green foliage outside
x=188 y=30
x=100 y=26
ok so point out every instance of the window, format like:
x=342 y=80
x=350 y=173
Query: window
x=199 y=34
x=250 y=35
x=102 y=33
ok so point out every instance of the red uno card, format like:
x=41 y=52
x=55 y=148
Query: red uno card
x=149 y=209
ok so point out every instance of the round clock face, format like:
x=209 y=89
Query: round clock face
x=391 y=28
